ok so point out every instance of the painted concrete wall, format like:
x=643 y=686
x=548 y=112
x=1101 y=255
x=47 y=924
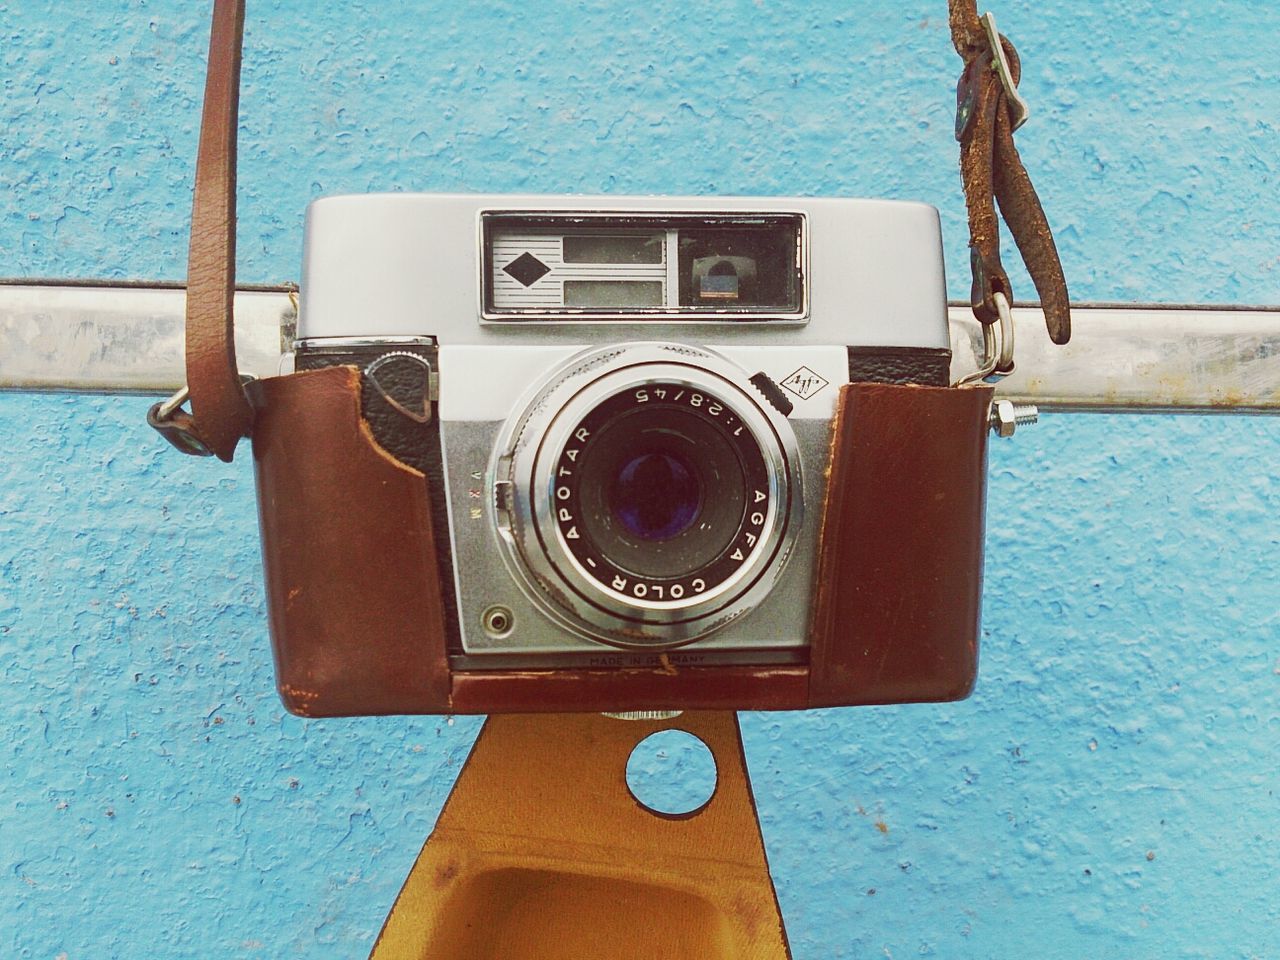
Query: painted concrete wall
x=1110 y=789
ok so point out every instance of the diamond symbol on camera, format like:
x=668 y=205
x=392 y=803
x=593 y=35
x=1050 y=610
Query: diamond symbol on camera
x=804 y=383
x=526 y=269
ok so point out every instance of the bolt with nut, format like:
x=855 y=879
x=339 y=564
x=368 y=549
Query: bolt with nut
x=1007 y=416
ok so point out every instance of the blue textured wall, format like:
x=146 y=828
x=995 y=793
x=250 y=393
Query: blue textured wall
x=1111 y=787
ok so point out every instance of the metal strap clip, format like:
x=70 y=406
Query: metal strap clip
x=997 y=350
x=1018 y=108
x=177 y=425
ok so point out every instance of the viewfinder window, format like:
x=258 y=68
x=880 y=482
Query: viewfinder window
x=746 y=267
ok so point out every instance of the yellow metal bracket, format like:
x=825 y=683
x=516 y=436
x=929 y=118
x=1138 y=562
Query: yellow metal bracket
x=542 y=852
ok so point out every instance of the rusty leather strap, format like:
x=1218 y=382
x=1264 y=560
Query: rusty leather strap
x=220 y=412
x=990 y=167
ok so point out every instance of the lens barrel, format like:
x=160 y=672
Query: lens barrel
x=654 y=494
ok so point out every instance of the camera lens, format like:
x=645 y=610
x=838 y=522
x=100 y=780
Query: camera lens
x=648 y=494
x=654 y=481
x=656 y=495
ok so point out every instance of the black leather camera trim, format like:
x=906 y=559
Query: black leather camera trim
x=928 y=366
x=406 y=438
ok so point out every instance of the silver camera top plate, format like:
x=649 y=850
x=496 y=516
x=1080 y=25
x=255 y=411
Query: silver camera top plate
x=394 y=265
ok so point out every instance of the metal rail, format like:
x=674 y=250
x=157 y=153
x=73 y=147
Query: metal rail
x=1130 y=358
x=128 y=338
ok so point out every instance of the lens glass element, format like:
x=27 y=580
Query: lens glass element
x=656 y=495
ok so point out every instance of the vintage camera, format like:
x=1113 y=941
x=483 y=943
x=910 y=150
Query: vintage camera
x=628 y=415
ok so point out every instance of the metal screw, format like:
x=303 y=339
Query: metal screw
x=1007 y=416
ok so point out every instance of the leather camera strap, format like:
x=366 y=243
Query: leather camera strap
x=221 y=413
x=990 y=167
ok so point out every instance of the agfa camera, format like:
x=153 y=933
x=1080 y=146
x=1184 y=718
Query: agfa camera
x=628 y=415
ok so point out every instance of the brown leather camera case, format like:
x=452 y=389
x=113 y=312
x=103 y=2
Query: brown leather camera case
x=354 y=591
